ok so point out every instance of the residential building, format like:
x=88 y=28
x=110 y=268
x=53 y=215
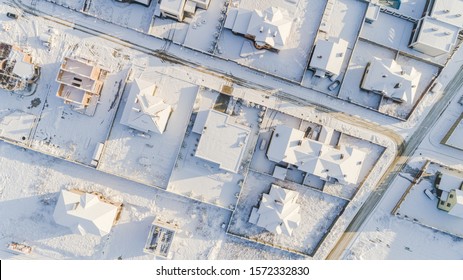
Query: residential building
x=223 y=141
x=278 y=212
x=336 y=164
x=86 y=212
x=178 y=9
x=386 y=77
x=269 y=29
x=80 y=82
x=450 y=192
x=144 y=110
x=17 y=71
x=328 y=57
x=437 y=32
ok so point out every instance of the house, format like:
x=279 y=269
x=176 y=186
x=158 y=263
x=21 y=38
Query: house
x=437 y=32
x=450 y=192
x=269 y=29
x=144 y=110
x=328 y=57
x=80 y=82
x=454 y=138
x=160 y=238
x=86 y=212
x=386 y=77
x=222 y=141
x=448 y=11
x=17 y=71
x=178 y=9
x=278 y=212
x=342 y=164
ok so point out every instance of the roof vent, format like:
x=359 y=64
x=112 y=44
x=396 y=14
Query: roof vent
x=447 y=33
x=446 y=11
x=435 y=29
x=261 y=30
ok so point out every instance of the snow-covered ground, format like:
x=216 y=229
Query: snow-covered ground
x=291 y=61
x=318 y=211
x=150 y=157
x=418 y=208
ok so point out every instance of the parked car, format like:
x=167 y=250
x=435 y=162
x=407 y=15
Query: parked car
x=11 y=15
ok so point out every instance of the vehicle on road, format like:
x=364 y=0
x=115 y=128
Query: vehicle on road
x=11 y=15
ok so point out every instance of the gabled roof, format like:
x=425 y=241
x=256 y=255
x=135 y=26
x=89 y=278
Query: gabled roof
x=457 y=209
x=84 y=213
x=387 y=77
x=145 y=111
x=270 y=27
x=279 y=211
x=289 y=145
x=329 y=56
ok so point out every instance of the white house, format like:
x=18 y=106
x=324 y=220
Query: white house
x=456 y=201
x=387 y=77
x=177 y=9
x=269 y=29
x=278 y=212
x=343 y=164
x=144 y=110
x=84 y=213
x=437 y=32
x=328 y=57
x=222 y=141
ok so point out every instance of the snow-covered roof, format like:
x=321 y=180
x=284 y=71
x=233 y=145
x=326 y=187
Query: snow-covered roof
x=457 y=208
x=270 y=27
x=223 y=141
x=279 y=172
x=144 y=110
x=434 y=37
x=174 y=7
x=278 y=211
x=449 y=11
x=24 y=70
x=84 y=213
x=289 y=145
x=387 y=77
x=450 y=182
x=328 y=56
x=455 y=136
x=238 y=20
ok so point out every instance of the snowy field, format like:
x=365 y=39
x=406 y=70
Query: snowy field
x=26 y=208
x=318 y=211
x=385 y=236
x=422 y=210
x=149 y=158
x=289 y=63
x=364 y=53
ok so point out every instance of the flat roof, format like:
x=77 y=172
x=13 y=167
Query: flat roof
x=437 y=34
x=223 y=141
x=449 y=11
